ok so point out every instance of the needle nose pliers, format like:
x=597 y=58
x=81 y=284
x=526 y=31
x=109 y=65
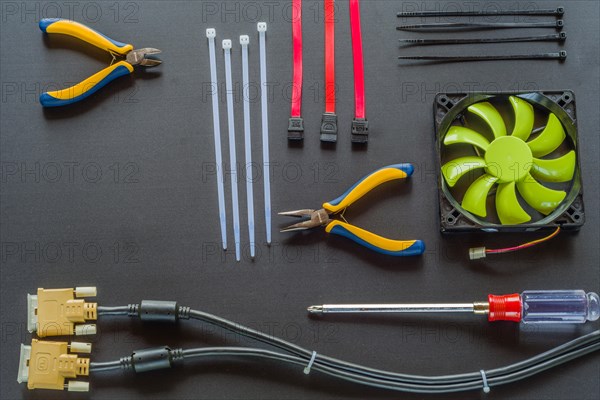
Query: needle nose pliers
x=92 y=84
x=324 y=217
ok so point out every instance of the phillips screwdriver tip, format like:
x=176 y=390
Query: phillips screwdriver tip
x=315 y=309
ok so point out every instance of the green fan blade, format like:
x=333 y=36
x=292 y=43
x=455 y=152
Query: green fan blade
x=508 y=208
x=455 y=169
x=491 y=116
x=475 y=197
x=460 y=134
x=539 y=197
x=523 y=118
x=550 y=138
x=556 y=170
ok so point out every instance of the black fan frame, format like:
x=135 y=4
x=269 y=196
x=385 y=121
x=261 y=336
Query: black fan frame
x=448 y=107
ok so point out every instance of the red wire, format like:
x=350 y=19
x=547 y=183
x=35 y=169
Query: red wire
x=357 y=51
x=297 y=39
x=330 y=56
x=525 y=245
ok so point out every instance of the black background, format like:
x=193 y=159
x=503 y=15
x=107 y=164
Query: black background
x=153 y=211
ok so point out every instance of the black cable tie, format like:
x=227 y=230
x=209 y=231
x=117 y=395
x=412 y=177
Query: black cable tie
x=458 y=13
x=558 y=37
x=561 y=55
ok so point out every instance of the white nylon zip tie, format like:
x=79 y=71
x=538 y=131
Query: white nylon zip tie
x=262 y=29
x=232 y=156
x=211 y=34
x=244 y=41
x=310 y=363
x=486 y=387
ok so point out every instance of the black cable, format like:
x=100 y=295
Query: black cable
x=105 y=366
x=458 y=385
x=361 y=374
x=123 y=310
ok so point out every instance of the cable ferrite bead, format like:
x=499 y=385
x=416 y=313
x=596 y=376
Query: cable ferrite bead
x=158 y=311
x=152 y=359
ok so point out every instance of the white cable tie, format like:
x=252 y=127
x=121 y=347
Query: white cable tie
x=486 y=387
x=310 y=363
x=232 y=155
x=262 y=29
x=211 y=34
x=244 y=41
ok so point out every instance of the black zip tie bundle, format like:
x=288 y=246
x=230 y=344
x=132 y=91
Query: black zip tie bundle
x=477 y=25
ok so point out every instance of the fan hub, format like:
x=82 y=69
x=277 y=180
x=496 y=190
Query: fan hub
x=509 y=159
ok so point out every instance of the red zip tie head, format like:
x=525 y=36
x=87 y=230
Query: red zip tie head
x=505 y=308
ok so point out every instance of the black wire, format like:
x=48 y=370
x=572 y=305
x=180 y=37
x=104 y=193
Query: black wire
x=114 y=311
x=105 y=366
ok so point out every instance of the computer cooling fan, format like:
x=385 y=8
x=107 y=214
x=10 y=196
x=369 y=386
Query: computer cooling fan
x=508 y=162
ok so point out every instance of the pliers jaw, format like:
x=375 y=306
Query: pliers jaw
x=140 y=57
x=316 y=219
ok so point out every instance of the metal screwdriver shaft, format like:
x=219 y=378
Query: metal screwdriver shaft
x=476 y=308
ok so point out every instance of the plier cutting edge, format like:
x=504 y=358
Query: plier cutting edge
x=324 y=217
x=92 y=84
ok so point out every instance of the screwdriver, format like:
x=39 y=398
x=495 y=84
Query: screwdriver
x=529 y=307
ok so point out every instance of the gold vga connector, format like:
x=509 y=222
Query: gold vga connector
x=52 y=365
x=61 y=312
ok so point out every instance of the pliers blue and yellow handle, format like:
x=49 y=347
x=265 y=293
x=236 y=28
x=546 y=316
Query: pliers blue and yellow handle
x=92 y=84
x=324 y=216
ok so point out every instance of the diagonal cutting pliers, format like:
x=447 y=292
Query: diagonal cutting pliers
x=92 y=84
x=325 y=216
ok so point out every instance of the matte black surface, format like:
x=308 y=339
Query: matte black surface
x=147 y=227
